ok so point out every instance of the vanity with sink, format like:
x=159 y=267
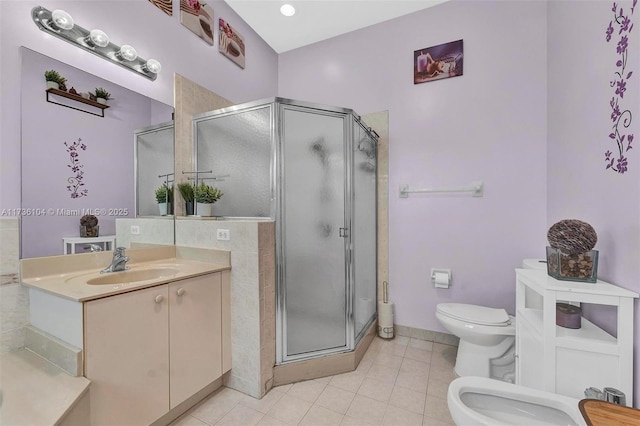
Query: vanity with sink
x=154 y=339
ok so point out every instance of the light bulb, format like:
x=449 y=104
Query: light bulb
x=128 y=53
x=152 y=66
x=287 y=10
x=97 y=38
x=61 y=20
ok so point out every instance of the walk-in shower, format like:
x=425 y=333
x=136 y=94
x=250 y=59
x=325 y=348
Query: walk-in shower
x=312 y=169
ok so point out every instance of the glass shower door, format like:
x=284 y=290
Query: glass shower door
x=312 y=218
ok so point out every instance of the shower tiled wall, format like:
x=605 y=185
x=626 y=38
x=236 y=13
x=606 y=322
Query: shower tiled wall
x=157 y=230
x=252 y=247
x=14 y=312
x=379 y=121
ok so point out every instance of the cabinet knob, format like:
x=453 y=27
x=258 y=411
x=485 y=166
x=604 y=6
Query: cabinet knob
x=159 y=298
x=180 y=291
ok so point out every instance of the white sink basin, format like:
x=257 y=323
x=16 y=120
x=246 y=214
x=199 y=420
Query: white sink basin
x=132 y=276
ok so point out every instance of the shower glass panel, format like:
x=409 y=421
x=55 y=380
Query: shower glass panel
x=314 y=214
x=237 y=149
x=153 y=162
x=364 y=236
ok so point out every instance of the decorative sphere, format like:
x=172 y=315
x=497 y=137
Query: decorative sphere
x=572 y=236
x=88 y=220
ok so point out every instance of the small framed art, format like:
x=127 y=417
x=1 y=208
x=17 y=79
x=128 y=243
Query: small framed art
x=438 y=62
x=197 y=16
x=231 y=43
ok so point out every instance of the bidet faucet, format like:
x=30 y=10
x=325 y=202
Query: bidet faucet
x=615 y=396
x=118 y=263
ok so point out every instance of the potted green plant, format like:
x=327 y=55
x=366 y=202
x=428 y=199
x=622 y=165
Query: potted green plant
x=102 y=96
x=54 y=79
x=186 y=191
x=164 y=197
x=206 y=196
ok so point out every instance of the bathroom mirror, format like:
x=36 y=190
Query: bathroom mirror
x=77 y=162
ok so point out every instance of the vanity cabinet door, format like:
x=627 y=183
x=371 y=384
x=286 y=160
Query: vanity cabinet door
x=195 y=329
x=127 y=358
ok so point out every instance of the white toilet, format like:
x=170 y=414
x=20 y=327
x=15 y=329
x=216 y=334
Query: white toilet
x=487 y=338
x=483 y=401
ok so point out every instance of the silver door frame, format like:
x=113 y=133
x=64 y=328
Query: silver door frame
x=281 y=296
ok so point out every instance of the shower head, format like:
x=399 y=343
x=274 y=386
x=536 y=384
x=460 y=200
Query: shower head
x=367 y=146
x=319 y=147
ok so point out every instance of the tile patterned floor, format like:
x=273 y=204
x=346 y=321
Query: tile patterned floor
x=401 y=382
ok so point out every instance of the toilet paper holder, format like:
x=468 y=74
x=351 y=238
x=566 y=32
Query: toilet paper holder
x=441 y=278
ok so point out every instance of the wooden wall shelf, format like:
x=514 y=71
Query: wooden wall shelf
x=76 y=98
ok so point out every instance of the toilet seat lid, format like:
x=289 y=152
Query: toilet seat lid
x=475 y=314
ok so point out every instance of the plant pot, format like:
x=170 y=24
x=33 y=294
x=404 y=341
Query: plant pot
x=204 y=209
x=53 y=85
x=165 y=208
x=102 y=101
x=189 y=208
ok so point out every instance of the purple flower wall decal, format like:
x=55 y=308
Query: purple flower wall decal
x=609 y=31
x=622 y=165
x=622 y=44
x=621 y=88
x=76 y=181
x=620 y=116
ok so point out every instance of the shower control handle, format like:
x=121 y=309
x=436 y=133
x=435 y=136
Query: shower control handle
x=344 y=232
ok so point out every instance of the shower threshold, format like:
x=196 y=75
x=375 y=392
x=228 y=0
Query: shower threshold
x=323 y=366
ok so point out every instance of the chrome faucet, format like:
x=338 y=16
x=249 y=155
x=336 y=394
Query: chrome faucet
x=118 y=263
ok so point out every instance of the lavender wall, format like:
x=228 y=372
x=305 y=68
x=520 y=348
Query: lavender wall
x=580 y=66
x=489 y=125
x=152 y=33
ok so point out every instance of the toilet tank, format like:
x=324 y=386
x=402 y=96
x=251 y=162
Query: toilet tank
x=534 y=264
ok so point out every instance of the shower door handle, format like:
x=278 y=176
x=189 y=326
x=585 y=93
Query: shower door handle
x=344 y=232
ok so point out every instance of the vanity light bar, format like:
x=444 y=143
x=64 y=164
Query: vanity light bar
x=61 y=25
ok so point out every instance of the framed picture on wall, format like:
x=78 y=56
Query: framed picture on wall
x=438 y=62
x=231 y=43
x=197 y=16
x=164 y=5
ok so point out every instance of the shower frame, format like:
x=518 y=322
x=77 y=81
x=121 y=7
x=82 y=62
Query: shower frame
x=276 y=107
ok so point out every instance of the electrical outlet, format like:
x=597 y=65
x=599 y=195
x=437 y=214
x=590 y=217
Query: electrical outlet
x=223 y=234
x=135 y=230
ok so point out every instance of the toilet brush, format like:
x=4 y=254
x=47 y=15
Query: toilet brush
x=385 y=314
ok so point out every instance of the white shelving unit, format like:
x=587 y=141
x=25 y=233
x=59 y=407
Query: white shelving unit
x=567 y=361
x=69 y=243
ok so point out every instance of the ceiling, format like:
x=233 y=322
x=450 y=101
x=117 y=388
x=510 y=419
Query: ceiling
x=317 y=20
